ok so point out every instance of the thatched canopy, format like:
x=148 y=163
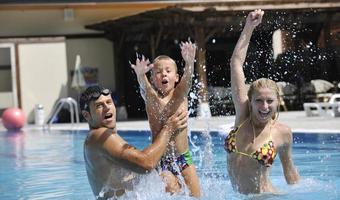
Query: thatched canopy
x=176 y=22
x=157 y=31
x=173 y=20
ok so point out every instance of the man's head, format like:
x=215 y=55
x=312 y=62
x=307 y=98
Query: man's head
x=97 y=107
x=164 y=74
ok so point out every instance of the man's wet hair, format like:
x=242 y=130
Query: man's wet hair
x=92 y=93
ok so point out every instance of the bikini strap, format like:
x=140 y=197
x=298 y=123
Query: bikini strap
x=270 y=131
x=239 y=126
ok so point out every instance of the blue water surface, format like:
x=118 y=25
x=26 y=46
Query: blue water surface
x=50 y=165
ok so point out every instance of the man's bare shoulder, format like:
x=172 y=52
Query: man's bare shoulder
x=99 y=135
x=106 y=140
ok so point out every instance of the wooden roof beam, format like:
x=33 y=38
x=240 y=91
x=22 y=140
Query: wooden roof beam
x=264 y=5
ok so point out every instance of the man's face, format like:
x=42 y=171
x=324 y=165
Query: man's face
x=102 y=112
x=164 y=76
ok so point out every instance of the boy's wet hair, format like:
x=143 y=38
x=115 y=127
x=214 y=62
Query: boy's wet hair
x=92 y=93
x=164 y=57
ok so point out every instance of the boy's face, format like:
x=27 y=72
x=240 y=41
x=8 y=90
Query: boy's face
x=164 y=76
x=102 y=112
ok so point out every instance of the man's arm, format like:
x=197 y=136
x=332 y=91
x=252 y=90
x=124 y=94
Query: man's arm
x=148 y=158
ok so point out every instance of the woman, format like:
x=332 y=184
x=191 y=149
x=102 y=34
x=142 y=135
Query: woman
x=258 y=136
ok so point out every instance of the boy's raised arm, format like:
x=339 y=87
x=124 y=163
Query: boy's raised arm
x=141 y=67
x=188 y=51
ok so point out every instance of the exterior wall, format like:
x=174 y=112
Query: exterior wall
x=39 y=22
x=32 y=20
x=43 y=75
x=45 y=66
x=95 y=53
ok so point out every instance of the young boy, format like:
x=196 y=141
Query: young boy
x=163 y=98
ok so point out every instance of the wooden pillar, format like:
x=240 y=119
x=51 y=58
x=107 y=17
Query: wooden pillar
x=154 y=42
x=152 y=47
x=327 y=30
x=200 y=39
x=203 y=107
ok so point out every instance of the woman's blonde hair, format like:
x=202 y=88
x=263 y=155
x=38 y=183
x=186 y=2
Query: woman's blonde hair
x=263 y=83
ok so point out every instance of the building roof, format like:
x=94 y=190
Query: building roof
x=93 y=1
x=26 y=15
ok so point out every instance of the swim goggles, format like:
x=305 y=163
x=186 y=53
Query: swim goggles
x=95 y=95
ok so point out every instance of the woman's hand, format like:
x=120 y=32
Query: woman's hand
x=254 y=18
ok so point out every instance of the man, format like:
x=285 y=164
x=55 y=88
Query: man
x=112 y=164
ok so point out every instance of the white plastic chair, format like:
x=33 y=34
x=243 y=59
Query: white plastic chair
x=332 y=107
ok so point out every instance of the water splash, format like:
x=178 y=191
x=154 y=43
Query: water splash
x=207 y=157
x=150 y=186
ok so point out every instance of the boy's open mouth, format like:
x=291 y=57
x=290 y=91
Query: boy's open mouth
x=165 y=81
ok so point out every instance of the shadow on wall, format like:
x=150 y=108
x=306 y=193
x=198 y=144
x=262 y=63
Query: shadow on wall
x=47 y=110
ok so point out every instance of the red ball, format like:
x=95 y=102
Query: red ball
x=13 y=118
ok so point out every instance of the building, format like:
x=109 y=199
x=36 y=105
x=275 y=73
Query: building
x=40 y=40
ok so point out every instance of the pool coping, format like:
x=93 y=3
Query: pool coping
x=297 y=120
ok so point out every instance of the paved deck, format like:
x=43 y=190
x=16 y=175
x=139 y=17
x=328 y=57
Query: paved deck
x=297 y=120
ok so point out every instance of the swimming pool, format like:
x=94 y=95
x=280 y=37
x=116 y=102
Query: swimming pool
x=49 y=165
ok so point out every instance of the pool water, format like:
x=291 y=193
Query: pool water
x=50 y=165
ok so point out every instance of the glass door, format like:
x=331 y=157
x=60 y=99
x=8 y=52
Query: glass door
x=8 y=77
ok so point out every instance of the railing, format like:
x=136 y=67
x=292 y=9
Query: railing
x=73 y=108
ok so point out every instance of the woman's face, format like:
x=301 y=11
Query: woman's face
x=264 y=104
